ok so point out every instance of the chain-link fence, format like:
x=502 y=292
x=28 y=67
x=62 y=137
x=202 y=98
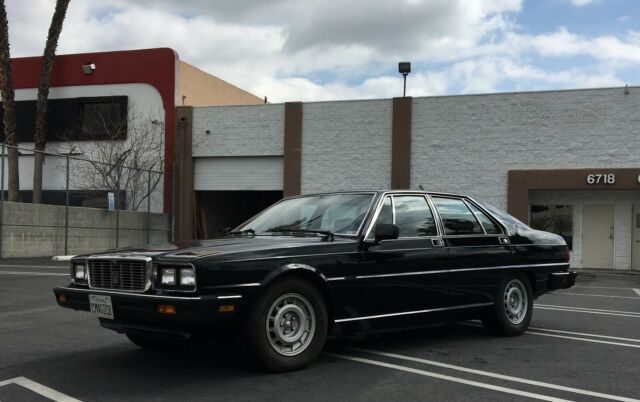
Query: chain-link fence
x=92 y=200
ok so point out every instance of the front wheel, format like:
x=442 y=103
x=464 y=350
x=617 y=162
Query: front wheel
x=511 y=313
x=287 y=328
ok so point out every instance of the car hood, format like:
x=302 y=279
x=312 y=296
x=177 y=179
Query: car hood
x=223 y=248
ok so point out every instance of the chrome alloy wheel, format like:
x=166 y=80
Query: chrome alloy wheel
x=291 y=324
x=515 y=300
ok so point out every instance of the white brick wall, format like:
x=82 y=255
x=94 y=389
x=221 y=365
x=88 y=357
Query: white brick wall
x=622 y=200
x=469 y=143
x=255 y=130
x=346 y=145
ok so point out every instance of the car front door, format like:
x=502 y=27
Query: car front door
x=408 y=275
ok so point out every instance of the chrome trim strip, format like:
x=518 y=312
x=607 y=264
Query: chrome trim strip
x=433 y=310
x=230 y=297
x=337 y=278
x=236 y=285
x=110 y=292
x=440 y=271
x=443 y=271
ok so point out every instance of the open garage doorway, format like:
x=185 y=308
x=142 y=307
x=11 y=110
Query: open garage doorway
x=217 y=210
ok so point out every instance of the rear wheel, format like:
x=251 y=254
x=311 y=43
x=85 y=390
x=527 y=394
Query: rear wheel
x=287 y=327
x=511 y=313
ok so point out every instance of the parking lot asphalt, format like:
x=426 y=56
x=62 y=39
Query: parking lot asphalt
x=583 y=344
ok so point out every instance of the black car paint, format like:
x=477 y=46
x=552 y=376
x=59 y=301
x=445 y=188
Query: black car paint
x=367 y=286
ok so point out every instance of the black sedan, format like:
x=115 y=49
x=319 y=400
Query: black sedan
x=322 y=265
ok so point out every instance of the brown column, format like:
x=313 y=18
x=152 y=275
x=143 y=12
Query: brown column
x=518 y=196
x=401 y=144
x=183 y=174
x=291 y=181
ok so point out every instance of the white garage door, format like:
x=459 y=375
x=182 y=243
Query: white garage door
x=238 y=173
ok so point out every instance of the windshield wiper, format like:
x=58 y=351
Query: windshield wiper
x=326 y=233
x=241 y=232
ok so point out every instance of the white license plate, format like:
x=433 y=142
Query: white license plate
x=101 y=306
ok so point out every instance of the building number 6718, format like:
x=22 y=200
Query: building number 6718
x=597 y=178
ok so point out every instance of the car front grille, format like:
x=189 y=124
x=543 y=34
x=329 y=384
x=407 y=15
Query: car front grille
x=120 y=274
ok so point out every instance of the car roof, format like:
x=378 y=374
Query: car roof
x=379 y=192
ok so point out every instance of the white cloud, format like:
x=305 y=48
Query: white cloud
x=581 y=3
x=320 y=50
x=563 y=43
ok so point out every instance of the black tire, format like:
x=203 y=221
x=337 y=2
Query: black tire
x=501 y=319
x=150 y=342
x=261 y=343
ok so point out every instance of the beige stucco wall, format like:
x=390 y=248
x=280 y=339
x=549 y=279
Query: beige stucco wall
x=203 y=89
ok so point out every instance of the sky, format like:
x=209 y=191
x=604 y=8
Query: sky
x=316 y=50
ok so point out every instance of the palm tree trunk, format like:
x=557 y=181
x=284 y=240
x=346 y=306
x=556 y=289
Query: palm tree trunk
x=8 y=103
x=43 y=93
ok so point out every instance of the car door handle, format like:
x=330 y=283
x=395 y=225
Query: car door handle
x=437 y=242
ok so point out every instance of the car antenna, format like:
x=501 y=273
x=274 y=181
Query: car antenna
x=420 y=187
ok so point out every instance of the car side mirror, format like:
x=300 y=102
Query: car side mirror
x=386 y=231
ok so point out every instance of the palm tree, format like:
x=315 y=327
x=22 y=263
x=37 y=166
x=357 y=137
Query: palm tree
x=8 y=103
x=43 y=93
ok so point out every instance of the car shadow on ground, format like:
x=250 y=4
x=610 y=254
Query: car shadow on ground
x=130 y=372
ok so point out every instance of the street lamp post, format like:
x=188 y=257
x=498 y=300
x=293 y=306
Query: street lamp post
x=404 y=68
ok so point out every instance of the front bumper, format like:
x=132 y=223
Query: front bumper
x=562 y=280
x=138 y=313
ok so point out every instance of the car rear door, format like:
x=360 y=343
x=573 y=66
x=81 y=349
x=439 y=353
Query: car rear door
x=479 y=250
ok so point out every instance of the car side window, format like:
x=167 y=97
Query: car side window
x=457 y=219
x=413 y=216
x=489 y=226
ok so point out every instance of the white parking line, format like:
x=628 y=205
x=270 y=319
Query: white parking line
x=27 y=273
x=637 y=291
x=450 y=378
x=599 y=287
x=584 y=339
x=583 y=334
x=496 y=375
x=39 y=389
x=589 y=312
x=587 y=294
x=587 y=309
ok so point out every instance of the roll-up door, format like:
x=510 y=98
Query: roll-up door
x=257 y=173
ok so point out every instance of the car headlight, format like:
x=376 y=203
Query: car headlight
x=79 y=272
x=187 y=277
x=168 y=276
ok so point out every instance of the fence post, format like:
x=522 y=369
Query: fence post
x=1 y=197
x=148 y=206
x=66 y=210
x=118 y=206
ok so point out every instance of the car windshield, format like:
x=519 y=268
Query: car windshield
x=340 y=214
